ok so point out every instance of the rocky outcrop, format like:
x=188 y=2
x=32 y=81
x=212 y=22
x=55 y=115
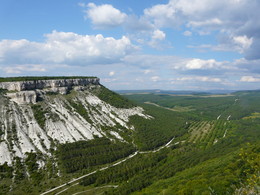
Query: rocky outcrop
x=23 y=97
x=24 y=92
x=27 y=128
x=41 y=84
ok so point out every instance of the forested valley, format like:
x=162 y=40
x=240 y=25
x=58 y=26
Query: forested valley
x=213 y=148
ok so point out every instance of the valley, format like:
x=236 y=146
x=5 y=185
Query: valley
x=81 y=138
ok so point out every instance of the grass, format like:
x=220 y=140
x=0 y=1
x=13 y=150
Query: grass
x=253 y=116
x=175 y=108
x=86 y=190
x=182 y=108
x=207 y=133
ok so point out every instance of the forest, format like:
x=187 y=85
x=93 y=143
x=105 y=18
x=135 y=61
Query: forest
x=215 y=149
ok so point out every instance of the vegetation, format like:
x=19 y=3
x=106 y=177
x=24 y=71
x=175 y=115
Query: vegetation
x=81 y=110
x=215 y=150
x=184 y=169
x=86 y=154
x=152 y=133
x=238 y=105
x=113 y=98
x=5 y=171
x=253 y=115
x=2 y=91
x=222 y=175
x=33 y=167
x=35 y=78
x=39 y=114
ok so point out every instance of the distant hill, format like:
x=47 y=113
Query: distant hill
x=177 y=92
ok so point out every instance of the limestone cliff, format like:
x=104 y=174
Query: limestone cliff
x=42 y=84
x=55 y=118
x=23 y=92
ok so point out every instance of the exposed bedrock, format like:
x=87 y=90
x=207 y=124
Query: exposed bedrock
x=24 y=92
x=41 y=84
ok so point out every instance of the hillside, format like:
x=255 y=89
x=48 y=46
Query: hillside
x=87 y=139
x=52 y=130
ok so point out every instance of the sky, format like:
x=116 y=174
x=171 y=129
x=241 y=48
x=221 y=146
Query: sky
x=196 y=45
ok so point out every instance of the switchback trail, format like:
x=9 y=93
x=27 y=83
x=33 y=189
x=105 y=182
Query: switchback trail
x=106 y=167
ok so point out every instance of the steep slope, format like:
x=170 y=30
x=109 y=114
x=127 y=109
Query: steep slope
x=60 y=130
x=37 y=123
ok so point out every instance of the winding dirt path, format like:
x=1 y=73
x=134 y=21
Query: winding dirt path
x=106 y=167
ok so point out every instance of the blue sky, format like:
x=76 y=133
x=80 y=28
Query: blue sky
x=152 y=44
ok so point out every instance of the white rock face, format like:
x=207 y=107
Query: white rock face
x=5 y=155
x=24 y=92
x=23 y=97
x=41 y=84
x=21 y=133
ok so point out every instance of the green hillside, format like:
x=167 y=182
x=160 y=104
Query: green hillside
x=192 y=144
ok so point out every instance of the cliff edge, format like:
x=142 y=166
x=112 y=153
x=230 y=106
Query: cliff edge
x=29 y=91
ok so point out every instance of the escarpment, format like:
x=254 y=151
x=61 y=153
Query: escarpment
x=23 y=92
x=50 y=83
x=36 y=116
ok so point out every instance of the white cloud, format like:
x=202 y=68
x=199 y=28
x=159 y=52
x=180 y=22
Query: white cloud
x=112 y=73
x=201 y=64
x=162 y=15
x=158 y=35
x=23 y=68
x=157 y=39
x=249 y=79
x=104 y=16
x=147 y=71
x=243 y=42
x=198 y=64
x=228 y=43
x=66 y=48
x=237 y=20
x=199 y=78
x=155 y=78
x=199 y=13
x=209 y=22
x=187 y=33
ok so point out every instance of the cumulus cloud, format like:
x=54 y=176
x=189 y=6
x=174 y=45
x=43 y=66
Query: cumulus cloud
x=163 y=15
x=243 y=41
x=66 y=48
x=112 y=73
x=157 y=38
x=240 y=44
x=141 y=29
x=249 y=79
x=202 y=64
x=237 y=20
x=201 y=13
x=104 y=16
x=199 y=64
x=158 y=35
